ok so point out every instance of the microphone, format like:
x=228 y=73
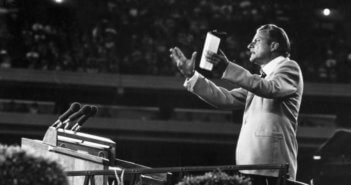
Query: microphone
x=84 y=110
x=72 y=109
x=84 y=118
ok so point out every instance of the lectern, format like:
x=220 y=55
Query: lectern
x=76 y=151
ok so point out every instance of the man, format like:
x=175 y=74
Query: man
x=271 y=104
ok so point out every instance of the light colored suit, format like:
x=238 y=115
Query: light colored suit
x=268 y=132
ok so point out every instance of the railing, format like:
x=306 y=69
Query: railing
x=64 y=78
x=152 y=113
x=170 y=180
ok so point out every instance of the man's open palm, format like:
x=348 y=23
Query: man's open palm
x=186 y=66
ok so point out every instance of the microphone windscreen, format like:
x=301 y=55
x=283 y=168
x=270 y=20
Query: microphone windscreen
x=94 y=110
x=83 y=111
x=85 y=117
x=75 y=106
x=72 y=109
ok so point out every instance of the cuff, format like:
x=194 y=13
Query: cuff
x=190 y=82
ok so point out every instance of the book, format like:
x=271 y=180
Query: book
x=211 y=44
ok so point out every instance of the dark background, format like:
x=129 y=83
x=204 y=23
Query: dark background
x=114 y=54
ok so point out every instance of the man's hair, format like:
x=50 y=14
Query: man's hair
x=25 y=167
x=278 y=35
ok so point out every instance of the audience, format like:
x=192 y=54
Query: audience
x=132 y=37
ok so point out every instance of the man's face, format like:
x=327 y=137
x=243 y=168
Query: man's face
x=260 y=48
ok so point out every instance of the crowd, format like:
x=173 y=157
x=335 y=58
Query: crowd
x=133 y=36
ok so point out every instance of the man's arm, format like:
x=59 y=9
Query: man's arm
x=204 y=88
x=283 y=82
x=214 y=95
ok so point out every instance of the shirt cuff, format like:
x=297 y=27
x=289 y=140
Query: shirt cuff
x=190 y=82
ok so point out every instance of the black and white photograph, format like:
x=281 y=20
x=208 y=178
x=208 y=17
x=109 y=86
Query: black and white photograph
x=175 y=92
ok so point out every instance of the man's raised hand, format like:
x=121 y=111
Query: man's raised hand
x=186 y=66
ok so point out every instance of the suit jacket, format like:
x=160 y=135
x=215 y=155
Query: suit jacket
x=271 y=106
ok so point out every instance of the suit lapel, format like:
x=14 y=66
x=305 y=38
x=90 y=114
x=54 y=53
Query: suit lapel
x=249 y=99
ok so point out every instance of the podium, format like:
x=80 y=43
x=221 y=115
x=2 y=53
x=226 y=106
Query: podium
x=81 y=152
x=75 y=151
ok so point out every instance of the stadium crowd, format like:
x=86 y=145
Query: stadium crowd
x=133 y=36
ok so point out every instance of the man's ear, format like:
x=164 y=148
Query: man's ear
x=274 y=46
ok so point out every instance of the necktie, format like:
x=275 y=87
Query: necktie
x=263 y=75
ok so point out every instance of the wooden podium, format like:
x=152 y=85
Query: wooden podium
x=76 y=151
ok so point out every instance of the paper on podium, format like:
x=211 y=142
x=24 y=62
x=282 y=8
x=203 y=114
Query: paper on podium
x=211 y=44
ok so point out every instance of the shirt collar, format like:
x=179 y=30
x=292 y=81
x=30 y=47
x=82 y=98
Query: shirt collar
x=269 y=67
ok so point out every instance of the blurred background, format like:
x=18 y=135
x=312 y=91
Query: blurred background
x=114 y=54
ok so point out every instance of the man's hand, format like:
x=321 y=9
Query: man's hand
x=219 y=61
x=186 y=66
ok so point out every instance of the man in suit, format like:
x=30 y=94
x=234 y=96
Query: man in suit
x=271 y=104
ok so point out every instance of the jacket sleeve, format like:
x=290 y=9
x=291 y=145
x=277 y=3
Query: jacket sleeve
x=217 y=96
x=281 y=83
